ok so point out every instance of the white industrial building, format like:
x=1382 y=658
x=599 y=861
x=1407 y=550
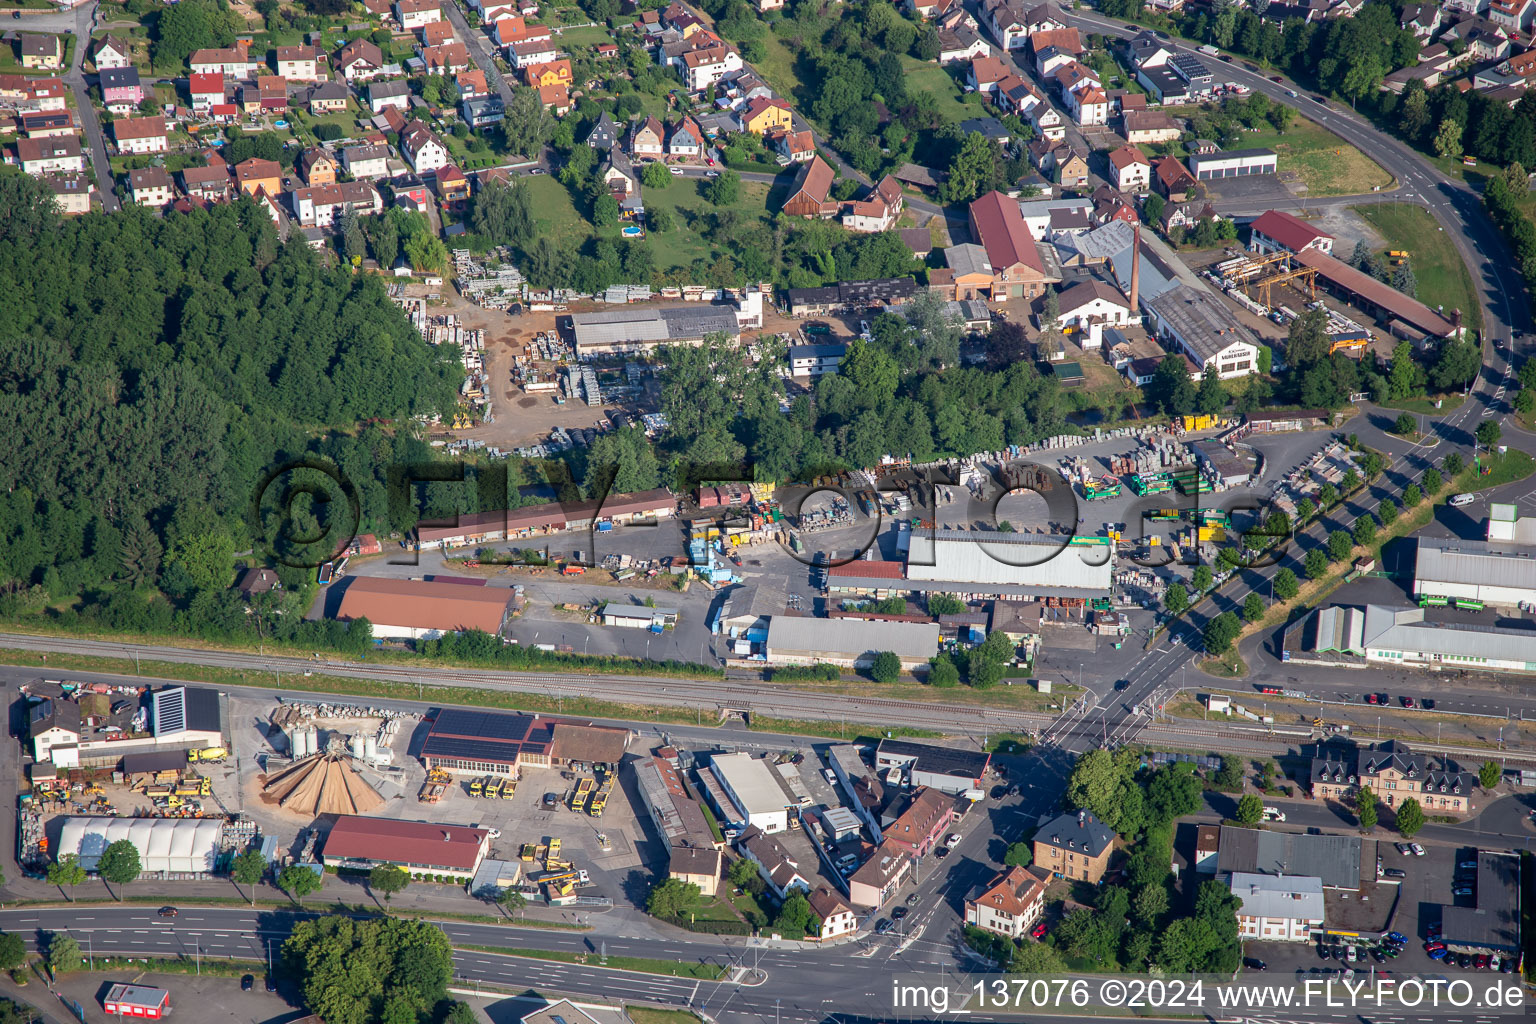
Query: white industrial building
x=1192 y=318
x=981 y=563
x=1505 y=523
x=1277 y=908
x=1234 y=163
x=164 y=844
x=1490 y=572
x=1402 y=636
x=850 y=643
x=750 y=784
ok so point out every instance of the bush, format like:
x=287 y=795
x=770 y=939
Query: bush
x=1406 y=425
x=886 y=668
x=806 y=674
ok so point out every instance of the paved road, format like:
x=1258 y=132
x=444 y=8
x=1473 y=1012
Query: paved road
x=83 y=20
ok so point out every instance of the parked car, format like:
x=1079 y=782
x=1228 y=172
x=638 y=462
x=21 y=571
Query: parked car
x=1407 y=702
x=898 y=913
x=1038 y=931
x=271 y=983
x=1370 y=698
x=1462 y=890
x=1437 y=954
x=914 y=899
x=952 y=840
x=1467 y=865
x=1482 y=961
x=1427 y=704
x=1273 y=814
x=247 y=983
x=1404 y=849
x=941 y=852
x=1461 y=499
x=1418 y=851
x=882 y=926
x=1253 y=963
x=1394 y=873
x=1397 y=937
x=830 y=776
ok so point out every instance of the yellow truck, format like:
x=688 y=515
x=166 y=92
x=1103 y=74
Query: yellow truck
x=207 y=754
x=195 y=786
x=508 y=789
x=600 y=799
x=554 y=847
x=583 y=791
x=476 y=787
x=493 y=788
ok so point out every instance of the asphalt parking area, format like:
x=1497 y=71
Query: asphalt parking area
x=204 y=998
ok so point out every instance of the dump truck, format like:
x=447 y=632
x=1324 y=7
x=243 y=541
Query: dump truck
x=554 y=847
x=600 y=798
x=476 y=787
x=1104 y=487
x=195 y=786
x=508 y=789
x=431 y=792
x=493 y=788
x=583 y=791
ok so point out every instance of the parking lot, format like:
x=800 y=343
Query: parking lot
x=206 y=999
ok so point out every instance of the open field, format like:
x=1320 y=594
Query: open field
x=954 y=104
x=1326 y=164
x=685 y=243
x=1443 y=277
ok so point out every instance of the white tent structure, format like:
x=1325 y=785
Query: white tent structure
x=164 y=844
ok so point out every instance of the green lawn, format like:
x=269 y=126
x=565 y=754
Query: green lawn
x=586 y=35
x=954 y=103
x=1443 y=277
x=558 y=217
x=647 y=1015
x=683 y=244
x=1327 y=164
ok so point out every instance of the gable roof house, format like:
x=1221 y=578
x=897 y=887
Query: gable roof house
x=605 y=134
x=794 y=147
x=297 y=63
x=422 y=149
x=151 y=187
x=1172 y=180
x=763 y=115
x=985 y=73
x=1150 y=126
x=647 y=139
x=366 y=162
x=435 y=33
x=359 y=60
x=112 y=52
x=317 y=167
x=703 y=68
x=961 y=42
x=257 y=174
x=41 y=52
x=206 y=89
x=1129 y=169
x=120 y=89
x=1005 y=19
x=685 y=141
x=321 y=206
x=413 y=14
x=382 y=95
x=327 y=98
x=231 y=62
x=1074 y=845
x=877 y=211
x=808 y=192
x=49 y=155
x=447 y=58
x=1008 y=905
x=210 y=183
x=775 y=864
x=140 y=134
x=1276 y=230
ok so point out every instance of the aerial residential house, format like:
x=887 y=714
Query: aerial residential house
x=470 y=84
x=112 y=52
x=763 y=116
x=1148 y=126
x=775 y=864
x=382 y=95
x=321 y=206
x=483 y=111
x=646 y=141
x=1147 y=50
x=367 y=162
x=423 y=150
x=1130 y=169
x=41 y=52
x=267 y=95
x=359 y=60
x=1060 y=162
x=413 y=14
x=525 y=53
x=47 y=93
x=703 y=68
x=605 y=134
x=210 y=184
x=492 y=11
x=877 y=211
x=448 y=58
x=506 y=31
x=1421 y=19
x=794 y=147
x=50 y=156
x=138 y=135
x=961 y=42
x=207 y=88
x=1075 y=845
x=985 y=73
x=970 y=270
x=1512 y=15
x=764 y=6
x=922 y=825
x=1043 y=18
x=1017 y=268
x=1172 y=180
x=1088 y=106
x=452 y=186
x=1008 y=905
x=151 y=187
x=231 y=62
x=120 y=89
x=619 y=175
x=258 y=174
x=1276 y=230
x=880 y=877
x=71 y=193
x=927 y=10
x=297 y=63
x=317 y=167
x=1062 y=40
x=1005 y=19
x=44 y=124
x=328 y=98
x=808 y=192
x=836 y=916
x=435 y=33
x=556 y=72
x=1092 y=302
x=685 y=141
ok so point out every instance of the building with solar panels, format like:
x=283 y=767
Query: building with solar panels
x=468 y=742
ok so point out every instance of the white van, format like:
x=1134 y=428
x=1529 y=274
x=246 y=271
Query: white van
x=1462 y=499
x=1273 y=814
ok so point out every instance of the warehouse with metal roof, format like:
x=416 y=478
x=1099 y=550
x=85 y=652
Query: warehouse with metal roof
x=1401 y=636
x=1336 y=860
x=164 y=844
x=1011 y=564
x=1491 y=572
x=634 y=329
x=851 y=643
x=1192 y=318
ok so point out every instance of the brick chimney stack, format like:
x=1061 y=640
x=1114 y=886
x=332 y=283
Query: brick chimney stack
x=1136 y=271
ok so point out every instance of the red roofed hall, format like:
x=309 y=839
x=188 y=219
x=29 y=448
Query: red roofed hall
x=417 y=846
x=1276 y=230
x=999 y=228
x=418 y=609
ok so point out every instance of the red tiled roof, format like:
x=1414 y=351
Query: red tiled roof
x=869 y=570
x=206 y=82
x=1065 y=39
x=406 y=842
x=1292 y=232
x=1125 y=156
x=1003 y=233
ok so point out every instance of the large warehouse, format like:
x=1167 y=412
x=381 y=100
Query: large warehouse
x=421 y=609
x=1490 y=572
x=164 y=844
x=850 y=643
x=1401 y=636
x=1011 y=564
x=942 y=768
x=471 y=742
x=638 y=328
x=757 y=797
x=1192 y=318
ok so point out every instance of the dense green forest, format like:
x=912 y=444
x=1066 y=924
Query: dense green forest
x=152 y=373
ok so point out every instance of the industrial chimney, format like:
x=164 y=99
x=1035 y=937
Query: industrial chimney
x=1136 y=272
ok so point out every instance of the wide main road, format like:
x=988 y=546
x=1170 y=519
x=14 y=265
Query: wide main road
x=708 y=697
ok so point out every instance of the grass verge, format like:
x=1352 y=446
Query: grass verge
x=1442 y=275
x=1325 y=163
x=639 y=964
x=647 y=1015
